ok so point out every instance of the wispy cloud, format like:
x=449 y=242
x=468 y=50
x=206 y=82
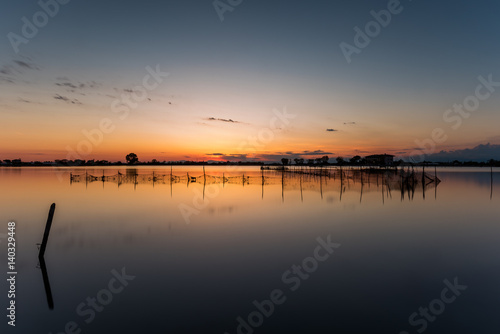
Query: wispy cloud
x=222 y=120
x=26 y=65
x=317 y=152
x=269 y=157
x=66 y=99
x=73 y=86
x=10 y=71
x=331 y=130
x=232 y=157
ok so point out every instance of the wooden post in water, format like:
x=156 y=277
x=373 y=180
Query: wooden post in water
x=321 y=185
x=491 y=192
x=283 y=185
x=423 y=174
x=47 y=230
x=301 y=196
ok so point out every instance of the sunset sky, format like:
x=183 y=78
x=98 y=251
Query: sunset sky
x=229 y=79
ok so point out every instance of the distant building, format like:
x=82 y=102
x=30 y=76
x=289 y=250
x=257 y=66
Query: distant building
x=380 y=159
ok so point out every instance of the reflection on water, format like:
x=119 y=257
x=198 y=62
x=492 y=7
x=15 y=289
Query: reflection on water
x=399 y=244
x=46 y=283
x=403 y=181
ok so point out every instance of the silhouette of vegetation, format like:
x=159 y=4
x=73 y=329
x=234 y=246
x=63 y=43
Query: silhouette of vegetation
x=355 y=159
x=131 y=158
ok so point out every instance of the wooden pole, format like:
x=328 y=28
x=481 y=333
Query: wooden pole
x=204 y=175
x=283 y=185
x=491 y=192
x=423 y=175
x=47 y=230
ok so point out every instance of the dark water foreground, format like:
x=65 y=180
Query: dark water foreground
x=295 y=255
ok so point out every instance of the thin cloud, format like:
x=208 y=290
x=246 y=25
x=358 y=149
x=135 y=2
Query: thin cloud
x=66 y=99
x=26 y=65
x=331 y=130
x=349 y=123
x=69 y=85
x=10 y=71
x=317 y=152
x=72 y=86
x=222 y=120
x=6 y=70
x=231 y=157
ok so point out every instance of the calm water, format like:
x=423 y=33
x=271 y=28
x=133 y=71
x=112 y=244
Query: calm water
x=202 y=252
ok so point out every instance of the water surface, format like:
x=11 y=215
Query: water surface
x=202 y=252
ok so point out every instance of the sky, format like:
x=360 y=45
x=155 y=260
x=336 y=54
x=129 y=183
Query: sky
x=248 y=80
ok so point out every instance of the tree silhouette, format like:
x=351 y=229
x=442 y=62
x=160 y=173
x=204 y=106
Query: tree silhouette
x=340 y=160
x=131 y=158
x=355 y=159
x=284 y=161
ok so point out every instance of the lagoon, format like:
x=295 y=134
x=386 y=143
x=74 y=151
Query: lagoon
x=207 y=257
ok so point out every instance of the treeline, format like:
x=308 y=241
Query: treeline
x=323 y=161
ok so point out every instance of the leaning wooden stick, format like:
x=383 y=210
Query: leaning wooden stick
x=47 y=230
